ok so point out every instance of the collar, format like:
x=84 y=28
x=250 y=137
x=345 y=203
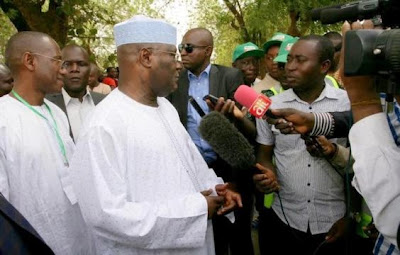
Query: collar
x=206 y=71
x=328 y=92
x=67 y=98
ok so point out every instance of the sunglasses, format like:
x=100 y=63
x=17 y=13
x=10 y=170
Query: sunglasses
x=190 y=47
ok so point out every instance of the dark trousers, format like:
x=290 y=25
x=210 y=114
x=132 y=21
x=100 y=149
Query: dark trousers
x=235 y=239
x=276 y=237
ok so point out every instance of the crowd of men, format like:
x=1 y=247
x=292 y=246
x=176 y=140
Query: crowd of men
x=116 y=165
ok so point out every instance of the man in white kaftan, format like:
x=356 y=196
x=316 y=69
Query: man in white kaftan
x=33 y=172
x=137 y=174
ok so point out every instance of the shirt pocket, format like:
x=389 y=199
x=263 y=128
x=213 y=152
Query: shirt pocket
x=287 y=142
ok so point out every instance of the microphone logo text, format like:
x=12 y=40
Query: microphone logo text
x=260 y=106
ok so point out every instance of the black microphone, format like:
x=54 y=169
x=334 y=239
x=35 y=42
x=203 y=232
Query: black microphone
x=351 y=12
x=227 y=141
x=316 y=13
x=330 y=16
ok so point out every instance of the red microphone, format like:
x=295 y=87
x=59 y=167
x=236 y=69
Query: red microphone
x=257 y=104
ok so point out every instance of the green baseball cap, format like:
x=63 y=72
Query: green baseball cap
x=276 y=39
x=285 y=49
x=248 y=49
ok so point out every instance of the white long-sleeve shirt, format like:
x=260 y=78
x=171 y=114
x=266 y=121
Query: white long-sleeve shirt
x=33 y=176
x=137 y=176
x=377 y=171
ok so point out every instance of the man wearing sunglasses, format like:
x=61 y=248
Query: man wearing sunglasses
x=198 y=79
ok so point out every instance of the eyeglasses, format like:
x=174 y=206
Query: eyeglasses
x=176 y=55
x=57 y=59
x=190 y=47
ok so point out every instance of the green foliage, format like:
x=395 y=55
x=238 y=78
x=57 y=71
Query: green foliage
x=6 y=30
x=88 y=22
x=262 y=18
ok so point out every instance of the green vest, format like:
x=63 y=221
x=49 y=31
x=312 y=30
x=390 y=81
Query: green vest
x=269 y=198
x=272 y=92
x=331 y=81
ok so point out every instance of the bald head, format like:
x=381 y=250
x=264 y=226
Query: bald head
x=27 y=41
x=4 y=70
x=6 y=80
x=203 y=34
x=74 y=47
x=94 y=75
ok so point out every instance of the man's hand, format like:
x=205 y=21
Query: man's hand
x=360 y=89
x=266 y=182
x=228 y=108
x=292 y=121
x=371 y=231
x=234 y=114
x=232 y=199
x=339 y=229
x=320 y=147
x=213 y=202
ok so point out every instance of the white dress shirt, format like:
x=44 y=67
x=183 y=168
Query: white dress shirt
x=312 y=192
x=77 y=111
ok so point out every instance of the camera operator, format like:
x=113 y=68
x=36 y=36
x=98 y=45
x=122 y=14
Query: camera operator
x=376 y=154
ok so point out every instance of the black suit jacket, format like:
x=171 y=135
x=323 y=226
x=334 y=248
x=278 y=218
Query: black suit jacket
x=17 y=236
x=58 y=99
x=223 y=83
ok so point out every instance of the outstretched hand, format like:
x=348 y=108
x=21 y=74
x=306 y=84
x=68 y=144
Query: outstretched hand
x=292 y=121
x=228 y=108
x=232 y=199
x=266 y=182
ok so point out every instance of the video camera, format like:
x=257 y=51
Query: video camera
x=373 y=51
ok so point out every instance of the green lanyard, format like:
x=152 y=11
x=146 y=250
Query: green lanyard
x=55 y=127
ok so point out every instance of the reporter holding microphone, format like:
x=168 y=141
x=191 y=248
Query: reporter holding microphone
x=374 y=139
x=377 y=157
x=310 y=198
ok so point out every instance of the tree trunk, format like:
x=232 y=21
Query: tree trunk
x=53 y=22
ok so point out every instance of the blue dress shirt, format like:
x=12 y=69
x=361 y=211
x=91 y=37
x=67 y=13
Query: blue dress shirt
x=198 y=88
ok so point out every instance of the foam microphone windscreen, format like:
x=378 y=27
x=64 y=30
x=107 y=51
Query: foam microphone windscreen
x=227 y=141
x=245 y=95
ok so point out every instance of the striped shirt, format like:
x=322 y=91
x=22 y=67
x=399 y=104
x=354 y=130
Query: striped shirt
x=312 y=192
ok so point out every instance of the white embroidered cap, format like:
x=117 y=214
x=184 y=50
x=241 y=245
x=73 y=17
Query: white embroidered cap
x=142 y=29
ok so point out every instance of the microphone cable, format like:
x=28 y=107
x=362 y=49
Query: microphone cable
x=346 y=178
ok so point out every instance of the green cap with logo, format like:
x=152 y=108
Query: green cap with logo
x=285 y=49
x=276 y=39
x=245 y=50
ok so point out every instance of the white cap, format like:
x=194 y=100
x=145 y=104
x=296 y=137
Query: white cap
x=142 y=29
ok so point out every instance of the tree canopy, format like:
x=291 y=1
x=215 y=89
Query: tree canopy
x=235 y=22
x=89 y=22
